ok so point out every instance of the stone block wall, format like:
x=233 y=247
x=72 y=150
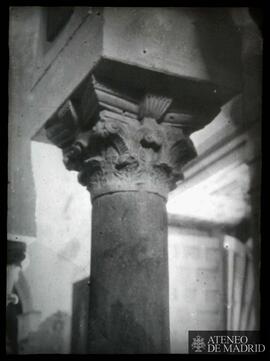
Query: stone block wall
x=197 y=299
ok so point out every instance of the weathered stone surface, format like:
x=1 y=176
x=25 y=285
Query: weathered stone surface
x=139 y=141
x=194 y=42
x=129 y=143
x=129 y=304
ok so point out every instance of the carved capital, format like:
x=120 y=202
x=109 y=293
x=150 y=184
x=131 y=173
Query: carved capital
x=118 y=143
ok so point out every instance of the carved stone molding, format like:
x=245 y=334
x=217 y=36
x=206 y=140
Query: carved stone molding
x=125 y=143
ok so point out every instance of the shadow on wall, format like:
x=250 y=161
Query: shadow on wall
x=52 y=336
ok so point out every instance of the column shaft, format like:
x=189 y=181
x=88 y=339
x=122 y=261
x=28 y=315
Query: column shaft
x=129 y=303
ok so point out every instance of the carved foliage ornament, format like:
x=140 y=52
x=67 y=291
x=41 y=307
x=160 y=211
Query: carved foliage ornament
x=121 y=152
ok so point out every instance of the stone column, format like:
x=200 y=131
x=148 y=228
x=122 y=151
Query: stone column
x=129 y=155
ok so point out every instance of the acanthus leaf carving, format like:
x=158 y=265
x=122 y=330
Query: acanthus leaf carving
x=121 y=152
